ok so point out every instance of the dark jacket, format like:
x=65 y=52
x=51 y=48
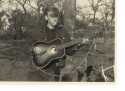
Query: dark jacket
x=47 y=35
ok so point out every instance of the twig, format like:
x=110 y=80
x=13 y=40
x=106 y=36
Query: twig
x=103 y=72
x=108 y=68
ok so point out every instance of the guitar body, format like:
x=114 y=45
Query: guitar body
x=46 y=52
x=46 y=57
x=60 y=52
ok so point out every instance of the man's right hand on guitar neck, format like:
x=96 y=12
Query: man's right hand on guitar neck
x=85 y=40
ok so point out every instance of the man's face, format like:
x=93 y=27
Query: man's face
x=52 y=19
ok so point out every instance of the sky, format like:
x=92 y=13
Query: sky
x=82 y=3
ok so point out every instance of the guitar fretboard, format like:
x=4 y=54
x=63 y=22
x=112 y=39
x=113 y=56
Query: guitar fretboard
x=69 y=44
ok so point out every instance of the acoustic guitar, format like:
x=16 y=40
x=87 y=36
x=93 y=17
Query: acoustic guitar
x=46 y=52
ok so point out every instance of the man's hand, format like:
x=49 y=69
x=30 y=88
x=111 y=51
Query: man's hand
x=37 y=50
x=84 y=40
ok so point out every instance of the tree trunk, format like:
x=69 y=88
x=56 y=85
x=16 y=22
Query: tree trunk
x=94 y=17
x=69 y=15
x=25 y=11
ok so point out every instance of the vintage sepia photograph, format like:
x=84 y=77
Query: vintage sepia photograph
x=57 y=40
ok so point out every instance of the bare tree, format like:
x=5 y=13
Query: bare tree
x=108 y=13
x=113 y=11
x=94 y=5
x=69 y=15
x=22 y=3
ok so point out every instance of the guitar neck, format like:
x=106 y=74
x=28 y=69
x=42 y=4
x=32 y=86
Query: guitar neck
x=69 y=44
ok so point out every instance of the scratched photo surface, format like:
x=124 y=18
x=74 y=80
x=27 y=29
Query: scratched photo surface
x=57 y=40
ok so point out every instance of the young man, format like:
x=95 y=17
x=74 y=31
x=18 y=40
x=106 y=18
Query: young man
x=52 y=30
